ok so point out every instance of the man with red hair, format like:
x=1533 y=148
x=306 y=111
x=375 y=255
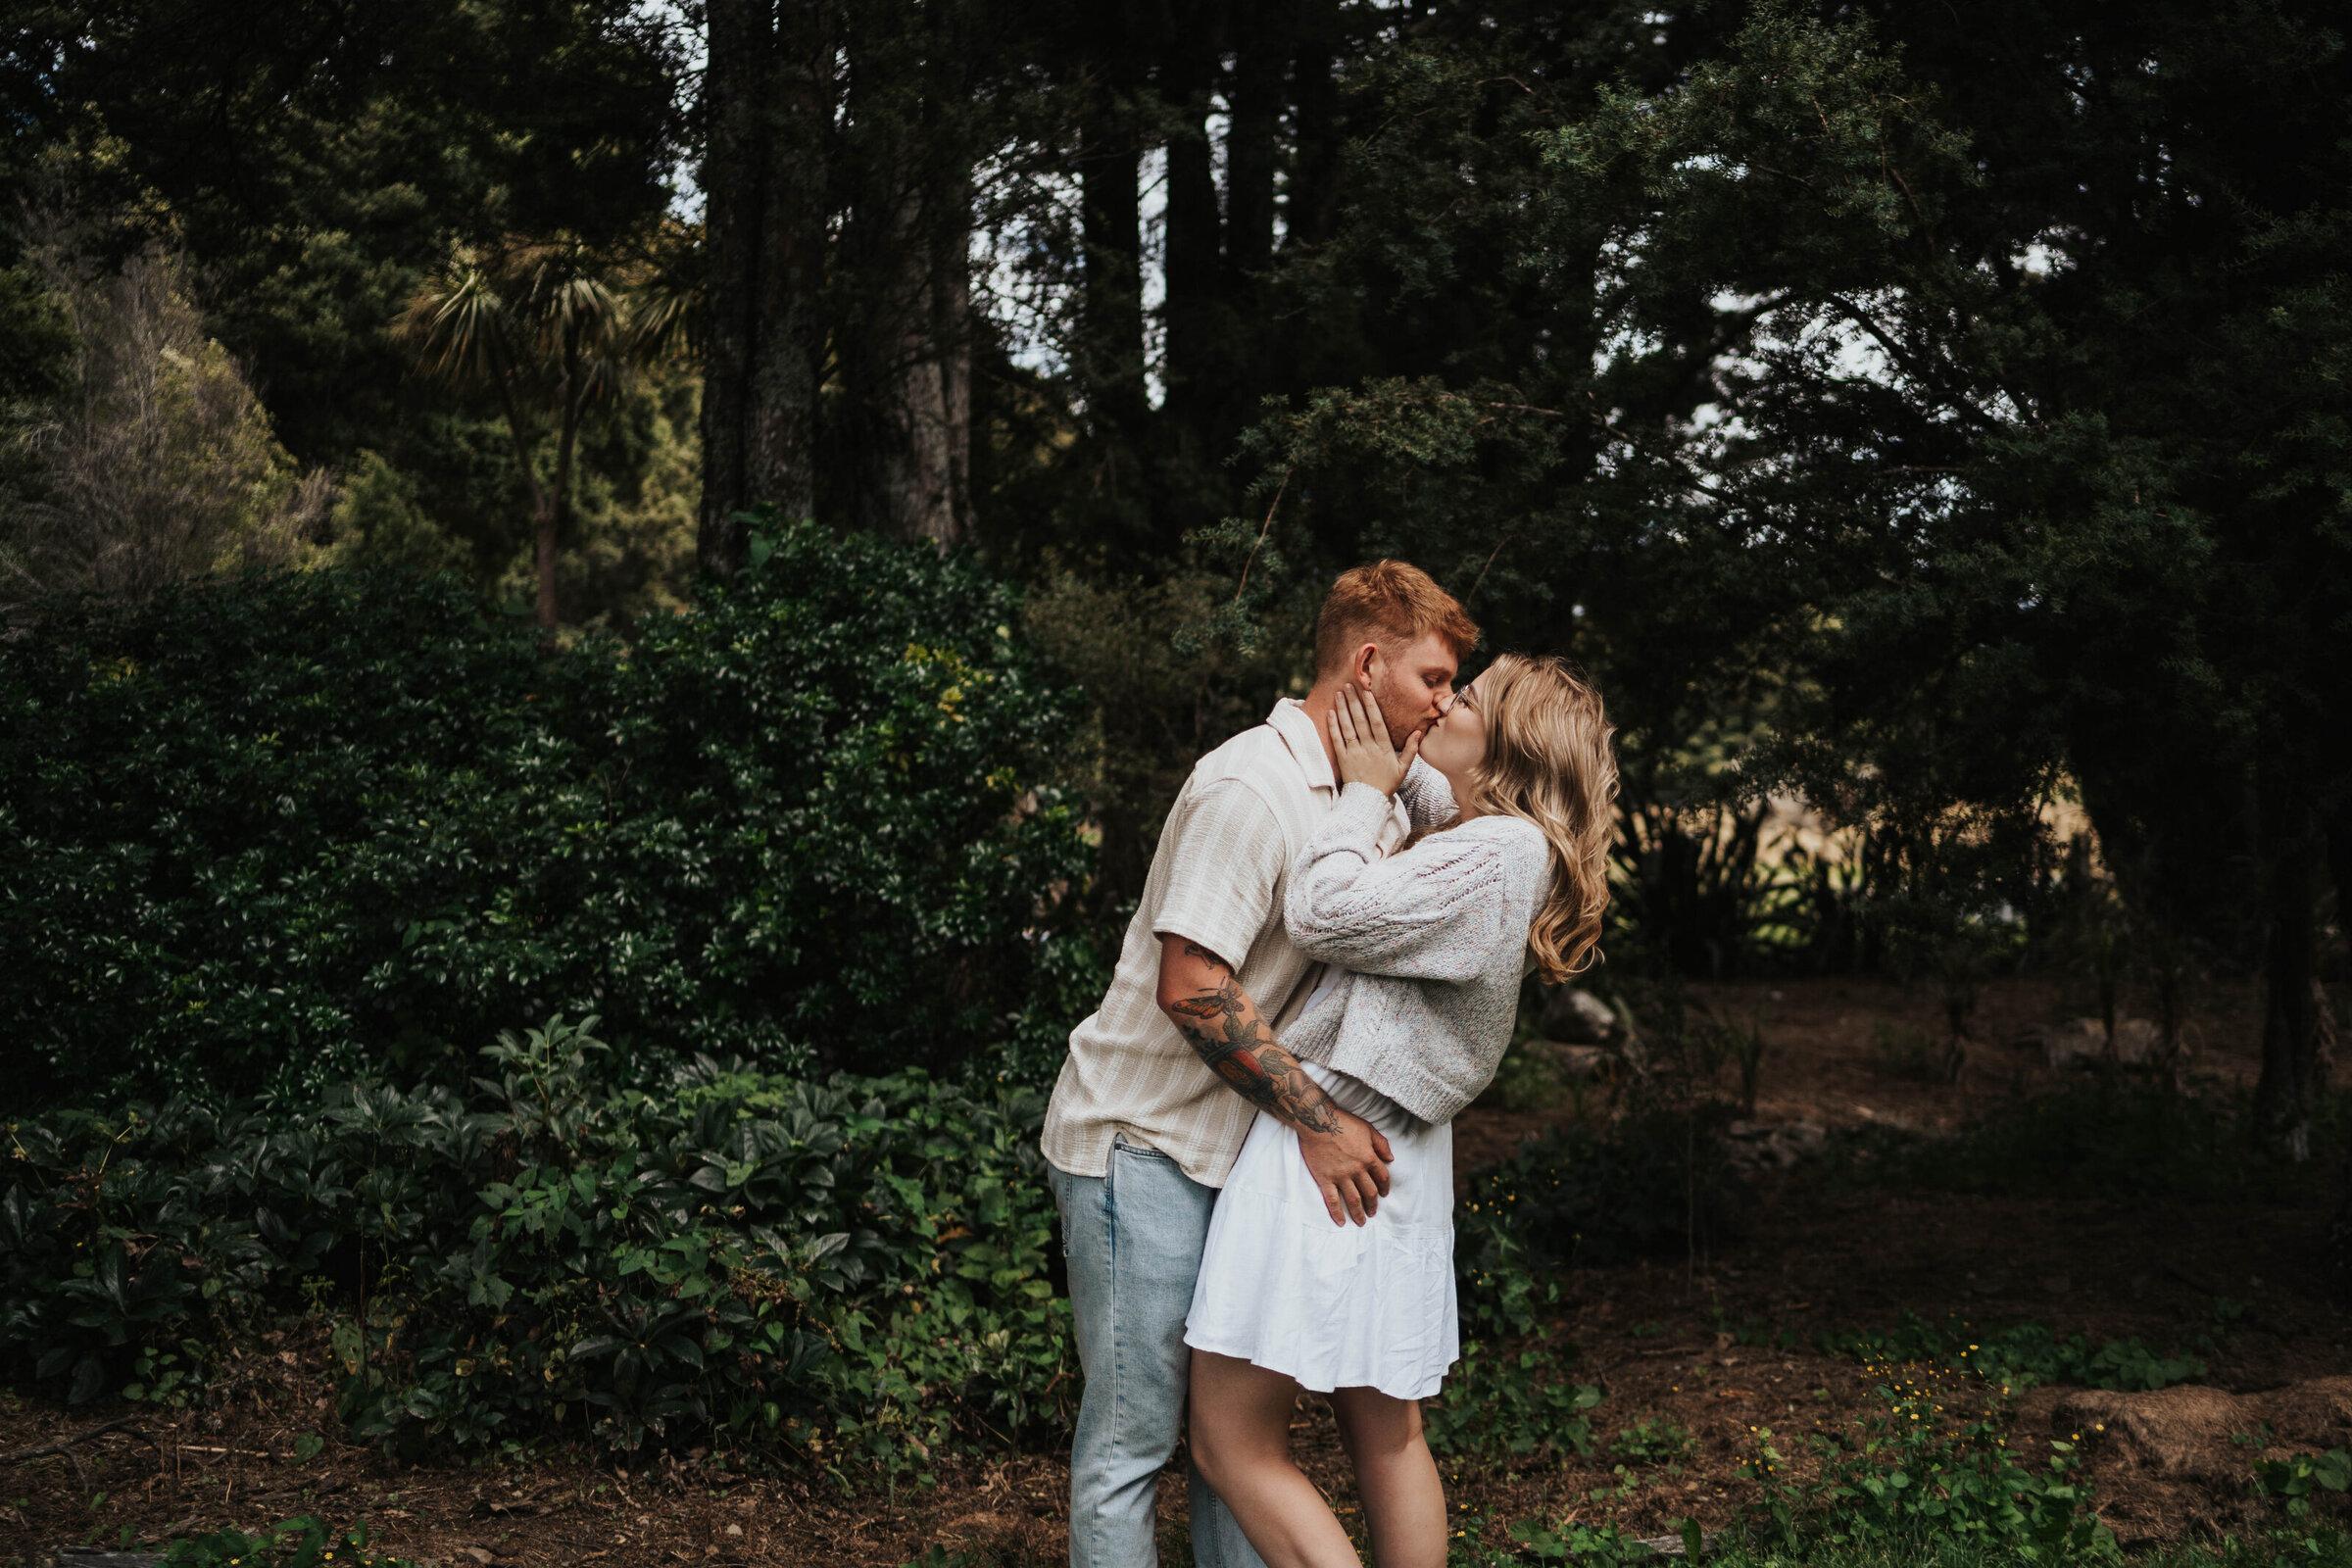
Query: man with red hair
x=1164 y=1078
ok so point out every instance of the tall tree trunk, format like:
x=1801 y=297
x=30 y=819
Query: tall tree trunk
x=913 y=385
x=544 y=503
x=952 y=310
x=2291 y=848
x=559 y=504
x=1251 y=147
x=1311 y=197
x=768 y=92
x=1195 y=229
x=1110 y=328
x=902 y=346
x=543 y=547
x=2339 y=1227
x=787 y=367
x=735 y=82
x=939 y=383
x=2339 y=862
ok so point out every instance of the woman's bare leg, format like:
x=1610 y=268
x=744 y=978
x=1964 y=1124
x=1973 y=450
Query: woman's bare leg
x=1240 y=1428
x=1405 y=1503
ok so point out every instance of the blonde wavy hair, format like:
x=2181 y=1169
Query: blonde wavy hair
x=1551 y=761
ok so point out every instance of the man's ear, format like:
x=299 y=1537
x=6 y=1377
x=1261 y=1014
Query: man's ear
x=1365 y=667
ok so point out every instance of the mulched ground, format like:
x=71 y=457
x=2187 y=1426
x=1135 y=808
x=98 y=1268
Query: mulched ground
x=1658 y=1338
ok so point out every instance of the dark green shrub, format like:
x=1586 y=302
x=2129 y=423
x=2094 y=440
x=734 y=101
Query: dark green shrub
x=1591 y=1193
x=1578 y=1193
x=285 y=828
x=854 y=1269
x=2108 y=1140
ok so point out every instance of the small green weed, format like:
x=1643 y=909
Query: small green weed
x=2297 y=1480
x=1906 y=1051
x=1757 y=1332
x=937 y=1556
x=1929 y=1465
x=1743 y=1046
x=1537 y=1541
x=1654 y=1439
x=300 y=1543
x=2019 y=1356
x=1605 y=1546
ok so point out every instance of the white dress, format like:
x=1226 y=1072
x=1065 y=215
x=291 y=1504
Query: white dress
x=1334 y=1307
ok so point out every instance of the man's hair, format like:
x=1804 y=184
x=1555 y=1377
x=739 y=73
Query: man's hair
x=1391 y=603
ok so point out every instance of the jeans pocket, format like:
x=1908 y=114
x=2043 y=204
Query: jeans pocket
x=1120 y=1145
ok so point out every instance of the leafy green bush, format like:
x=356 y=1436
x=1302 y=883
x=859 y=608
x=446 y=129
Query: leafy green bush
x=282 y=829
x=1513 y=1400
x=853 y=1269
x=2021 y=1356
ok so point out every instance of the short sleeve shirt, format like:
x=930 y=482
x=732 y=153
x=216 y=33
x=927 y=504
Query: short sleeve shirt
x=1217 y=878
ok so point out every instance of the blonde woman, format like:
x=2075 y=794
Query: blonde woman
x=1426 y=949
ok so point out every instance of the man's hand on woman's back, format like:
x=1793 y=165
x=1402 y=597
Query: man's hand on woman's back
x=1347 y=1156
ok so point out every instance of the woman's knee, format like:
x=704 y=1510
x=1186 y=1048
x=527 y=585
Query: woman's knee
x=1372 y=1424
x=1238 y=1415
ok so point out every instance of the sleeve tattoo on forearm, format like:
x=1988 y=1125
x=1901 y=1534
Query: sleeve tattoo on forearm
x=1223 y=1026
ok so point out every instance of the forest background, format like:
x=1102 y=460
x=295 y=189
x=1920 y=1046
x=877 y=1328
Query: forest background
x=577 y=429
x=1927 y=417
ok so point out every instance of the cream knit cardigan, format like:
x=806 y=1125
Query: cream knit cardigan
x=1433 y=940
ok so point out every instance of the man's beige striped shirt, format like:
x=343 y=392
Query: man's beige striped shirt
x=1218 y=879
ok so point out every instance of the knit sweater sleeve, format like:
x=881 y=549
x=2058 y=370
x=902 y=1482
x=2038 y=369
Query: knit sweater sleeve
x=1428 y=798
x=1430 y=912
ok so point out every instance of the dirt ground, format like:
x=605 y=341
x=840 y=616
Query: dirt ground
x=1818 y=1255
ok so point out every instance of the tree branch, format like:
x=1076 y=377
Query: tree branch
x=63 y=1444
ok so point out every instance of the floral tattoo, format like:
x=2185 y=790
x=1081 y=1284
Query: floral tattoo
x=1223 y=1027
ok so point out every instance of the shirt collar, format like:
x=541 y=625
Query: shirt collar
x=1298 y=732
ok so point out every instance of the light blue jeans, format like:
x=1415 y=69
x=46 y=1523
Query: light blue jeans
x=1133 y=1237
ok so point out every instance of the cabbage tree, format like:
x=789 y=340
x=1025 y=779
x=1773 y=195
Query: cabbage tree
x=550 y=335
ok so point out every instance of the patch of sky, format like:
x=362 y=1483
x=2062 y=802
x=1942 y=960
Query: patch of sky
x=681 y=27
x=1710 y=164
x=1023 y=272
x=1154 y=266
x=2041 y=256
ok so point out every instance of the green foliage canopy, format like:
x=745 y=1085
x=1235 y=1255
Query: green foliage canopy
x=1960 y=420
